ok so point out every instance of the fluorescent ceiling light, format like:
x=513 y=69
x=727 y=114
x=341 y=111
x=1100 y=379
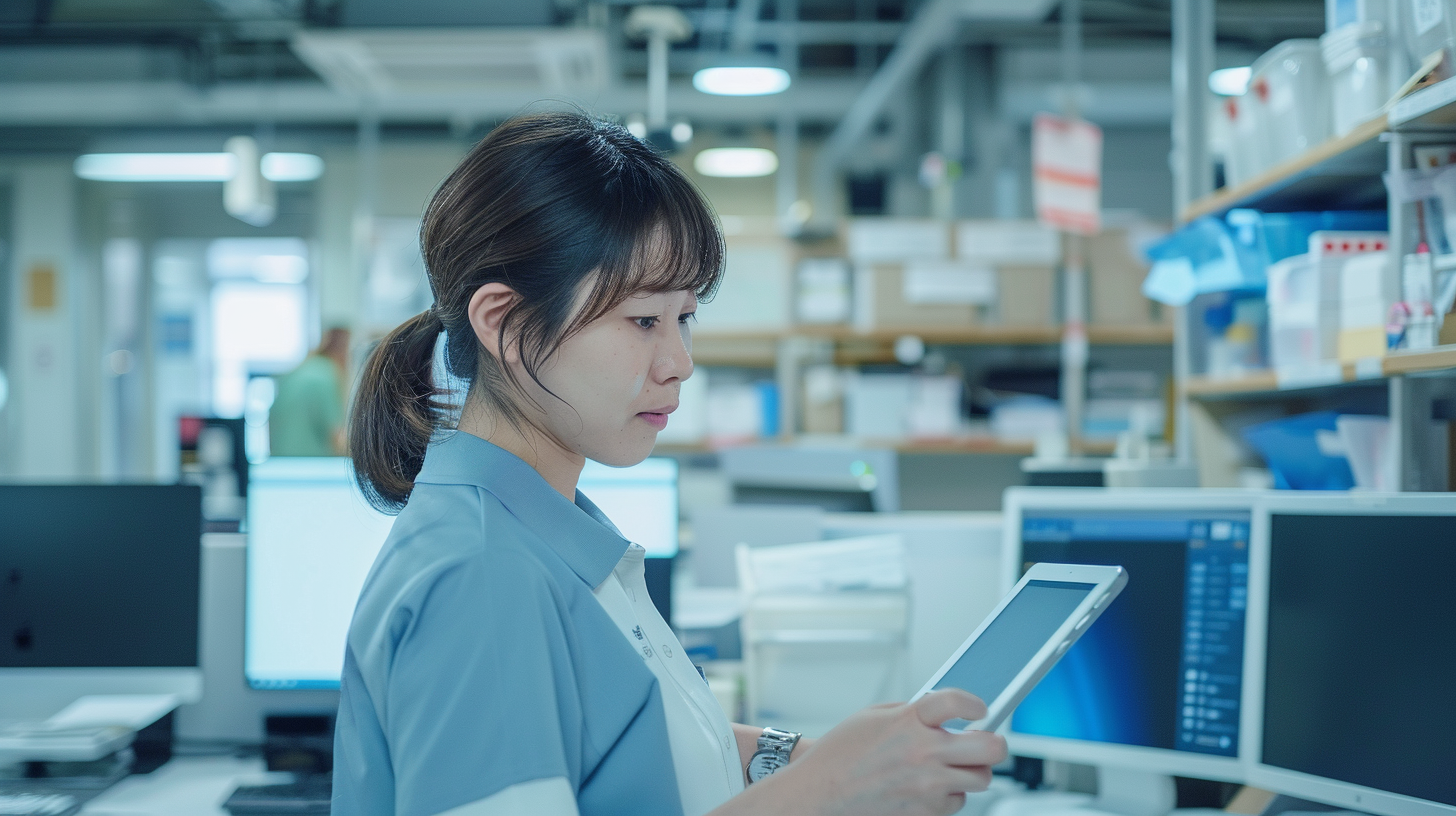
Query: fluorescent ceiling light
x=736 y=162
x=1230 y=81
x=292 y=166
x=192 y=166
x=155 y=166
x=741 y=80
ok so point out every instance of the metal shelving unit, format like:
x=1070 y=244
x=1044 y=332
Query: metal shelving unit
x=1342 y=173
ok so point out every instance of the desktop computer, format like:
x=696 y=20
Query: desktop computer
x=1156 y=687
x=99 y=594
x=1353 y=651
x=312 y=539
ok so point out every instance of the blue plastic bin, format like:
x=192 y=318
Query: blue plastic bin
x=1291 y=448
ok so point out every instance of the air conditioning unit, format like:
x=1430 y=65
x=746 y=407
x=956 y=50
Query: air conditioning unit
x=453 y=61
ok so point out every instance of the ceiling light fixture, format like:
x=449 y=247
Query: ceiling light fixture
x=741 y=80
x=215 y=167
x=736 y=162
x=1230 y=81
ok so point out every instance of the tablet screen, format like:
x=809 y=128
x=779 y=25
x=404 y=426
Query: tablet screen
x=1013 y=639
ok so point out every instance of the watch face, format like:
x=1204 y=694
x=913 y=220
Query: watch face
x=764 y=763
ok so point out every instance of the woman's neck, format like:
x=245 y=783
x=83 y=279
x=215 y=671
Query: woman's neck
x=557 y=464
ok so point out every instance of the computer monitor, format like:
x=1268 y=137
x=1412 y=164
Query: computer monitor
x=1354 y=655
x=641 y=500
x=1156 y=684
x=99 y=593
x=312 y=539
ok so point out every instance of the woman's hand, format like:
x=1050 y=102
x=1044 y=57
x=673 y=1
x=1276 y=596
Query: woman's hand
x=889 y=759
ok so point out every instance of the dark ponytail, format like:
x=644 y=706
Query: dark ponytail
x=396 y=410
x=553 y=205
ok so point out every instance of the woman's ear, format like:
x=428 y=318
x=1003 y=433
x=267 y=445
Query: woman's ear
x=487 y=311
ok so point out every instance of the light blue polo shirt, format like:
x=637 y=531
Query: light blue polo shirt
x=479 y=662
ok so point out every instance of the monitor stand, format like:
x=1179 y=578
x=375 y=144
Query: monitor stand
x=1120 y=792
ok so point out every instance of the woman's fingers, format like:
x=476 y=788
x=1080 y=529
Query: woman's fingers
x=968 y=780
x=972 y=749
x=949 y=704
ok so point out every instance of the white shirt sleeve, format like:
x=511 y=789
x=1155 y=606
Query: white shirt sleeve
x=539 y=797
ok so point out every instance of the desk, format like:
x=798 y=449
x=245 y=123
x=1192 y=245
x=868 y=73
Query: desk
x=185 y=786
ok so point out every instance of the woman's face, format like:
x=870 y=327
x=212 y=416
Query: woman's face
x=618 y=378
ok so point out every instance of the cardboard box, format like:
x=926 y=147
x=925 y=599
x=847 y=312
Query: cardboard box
x=1006 y=242
x=880 y=303
x=1115 y=276
x=891 y=240
x=1026 y=296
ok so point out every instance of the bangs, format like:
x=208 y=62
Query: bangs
x=675 y=246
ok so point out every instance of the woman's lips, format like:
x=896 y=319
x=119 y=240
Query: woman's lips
x=656 y=420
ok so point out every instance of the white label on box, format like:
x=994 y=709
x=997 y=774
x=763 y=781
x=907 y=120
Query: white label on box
x=1426 y=14
x=873 y=240
x=823 y=290
x=948 y=282
x=1008 y=243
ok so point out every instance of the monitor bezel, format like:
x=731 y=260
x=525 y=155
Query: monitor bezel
x=1156 y=760
x=1284 y=780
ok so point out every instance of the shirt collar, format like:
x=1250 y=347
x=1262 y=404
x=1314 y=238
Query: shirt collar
x=579 y=533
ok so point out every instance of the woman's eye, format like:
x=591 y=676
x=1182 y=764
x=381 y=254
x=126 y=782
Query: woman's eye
x=687 y=317
x=646 y=322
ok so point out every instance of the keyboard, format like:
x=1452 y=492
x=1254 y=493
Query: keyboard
x=38 y=804
x=309 y=795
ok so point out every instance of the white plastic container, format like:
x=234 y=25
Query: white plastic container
x=1246 y=154
x=1426 y=27
x=1340 y=13
x=1294 y=313
x=1292 y=88
x=1356 y=57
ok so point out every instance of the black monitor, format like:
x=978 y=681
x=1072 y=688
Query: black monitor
x=1359 y=700
x=99 y=590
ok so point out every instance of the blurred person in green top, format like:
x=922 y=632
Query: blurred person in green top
x=307 y=417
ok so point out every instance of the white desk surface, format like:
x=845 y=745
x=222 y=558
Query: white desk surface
x=185 y=786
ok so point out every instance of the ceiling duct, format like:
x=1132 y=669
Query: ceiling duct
x=935 y=25
x=386 y=62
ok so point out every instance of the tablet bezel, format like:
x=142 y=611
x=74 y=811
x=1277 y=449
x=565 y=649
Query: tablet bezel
x=1107 y=582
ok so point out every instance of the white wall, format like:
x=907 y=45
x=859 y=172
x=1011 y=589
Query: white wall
x=49 y=402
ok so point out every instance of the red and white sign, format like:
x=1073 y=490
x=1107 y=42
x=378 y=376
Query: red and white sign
x=1066 y=166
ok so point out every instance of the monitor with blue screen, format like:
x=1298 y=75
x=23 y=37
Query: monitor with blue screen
x=312 y=539
x=1157 y=684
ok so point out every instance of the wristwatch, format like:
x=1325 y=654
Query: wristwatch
x=774 y=747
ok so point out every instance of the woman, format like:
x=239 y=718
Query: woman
x=504 y=656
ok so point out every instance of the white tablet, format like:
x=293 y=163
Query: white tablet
x=1025 y=635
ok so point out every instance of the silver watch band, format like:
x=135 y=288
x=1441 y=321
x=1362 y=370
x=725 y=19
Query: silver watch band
x=774 y=748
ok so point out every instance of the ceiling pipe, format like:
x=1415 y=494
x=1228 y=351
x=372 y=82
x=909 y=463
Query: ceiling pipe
x=660 y=26
x=937 y=24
